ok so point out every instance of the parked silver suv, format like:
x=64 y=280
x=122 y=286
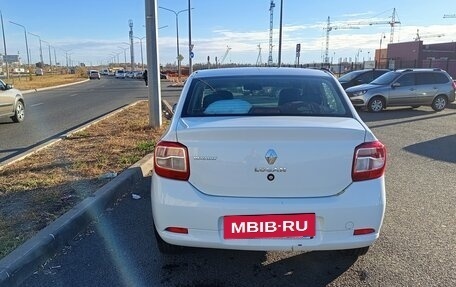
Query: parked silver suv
x=11 y=103
x=408 y=87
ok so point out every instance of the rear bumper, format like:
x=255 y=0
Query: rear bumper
x=179 y=204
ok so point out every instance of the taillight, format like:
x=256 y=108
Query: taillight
x=171 y=160
x=369 y=161
x=181 y=230
x=363 y=231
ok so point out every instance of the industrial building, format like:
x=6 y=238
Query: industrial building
x=416 y=54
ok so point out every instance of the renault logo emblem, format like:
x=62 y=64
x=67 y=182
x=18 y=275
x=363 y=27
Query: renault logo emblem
x=271 y=156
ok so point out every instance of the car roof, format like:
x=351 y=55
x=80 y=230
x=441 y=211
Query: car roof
x=367 y=70
x=420 y=70
x=260 y=71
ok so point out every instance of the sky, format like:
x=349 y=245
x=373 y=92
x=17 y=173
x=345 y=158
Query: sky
x=96 y=32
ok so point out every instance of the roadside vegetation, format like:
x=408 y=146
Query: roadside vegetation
x=41 y=187
x=29 y=82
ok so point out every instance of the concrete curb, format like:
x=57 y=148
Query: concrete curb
x=24 y=260
x=53 y=87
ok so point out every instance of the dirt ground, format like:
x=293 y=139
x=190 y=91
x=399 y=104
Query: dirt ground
x=38 y=189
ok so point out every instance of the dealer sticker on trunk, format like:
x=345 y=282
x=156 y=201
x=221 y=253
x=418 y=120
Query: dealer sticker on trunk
x=269 y=226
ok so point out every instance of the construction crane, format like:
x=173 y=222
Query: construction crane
x=328 y=29
x=449 y=16
x=259 y=61
x=391 y=22
x=271 y=28
x=419 y=37
x=226 y=54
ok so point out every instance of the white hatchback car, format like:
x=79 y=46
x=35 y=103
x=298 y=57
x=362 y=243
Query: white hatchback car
x=267 y=159
x=120 y=74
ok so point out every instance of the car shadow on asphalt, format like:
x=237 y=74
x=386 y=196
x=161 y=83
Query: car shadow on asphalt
x=393 y=114
x=207 y=267
x=397 y=113
x=400 y=116
x=441 y=149
x=6 y=121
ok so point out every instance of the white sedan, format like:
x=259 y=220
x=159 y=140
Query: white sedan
x=267 y=159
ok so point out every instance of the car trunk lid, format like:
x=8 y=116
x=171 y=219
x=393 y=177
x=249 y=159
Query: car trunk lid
x=271 y=157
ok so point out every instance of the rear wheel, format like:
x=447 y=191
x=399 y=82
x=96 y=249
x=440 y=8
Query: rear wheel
x=439 y=103
x=19 y=112
x=376 y=104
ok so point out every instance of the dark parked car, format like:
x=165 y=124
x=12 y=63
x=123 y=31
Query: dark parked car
x=408 y=87
x=11 y=103
x=360 y=77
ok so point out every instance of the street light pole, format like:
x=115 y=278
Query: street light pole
x=69 y=59
x=190 y=45
x=41 y=50
x=280 y=35
x=132 y=51
x=153 y=65
x=55 y=57
x=4 y=46
x=380 y=49
x=26 y=45
x=125 y=54
x=357 y=57
x=50 y=58
x=66 y=56
x=177 y=38
x=140 y=43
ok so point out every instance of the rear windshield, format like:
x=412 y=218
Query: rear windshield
x=386 y=78
x=350 y=76
x=265 y=96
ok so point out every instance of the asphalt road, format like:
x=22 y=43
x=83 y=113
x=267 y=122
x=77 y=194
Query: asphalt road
x=53 y=113
x=417 y=246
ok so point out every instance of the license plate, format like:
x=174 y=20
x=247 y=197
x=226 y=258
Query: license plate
x=269 y=226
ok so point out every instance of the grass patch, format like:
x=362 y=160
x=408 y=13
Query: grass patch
x=25 y=83
x=146 y=146
x=40 y=188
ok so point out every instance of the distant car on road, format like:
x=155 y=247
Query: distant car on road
x=359 y=77
x=39 y=72
x=138 y=75
x=94 y=74
x=406 y=87
x=292 y=165
x=12 y=103
x=120 y=74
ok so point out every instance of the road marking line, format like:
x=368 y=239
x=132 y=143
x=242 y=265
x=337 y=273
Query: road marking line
x=35 y=105
x=73 y=95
